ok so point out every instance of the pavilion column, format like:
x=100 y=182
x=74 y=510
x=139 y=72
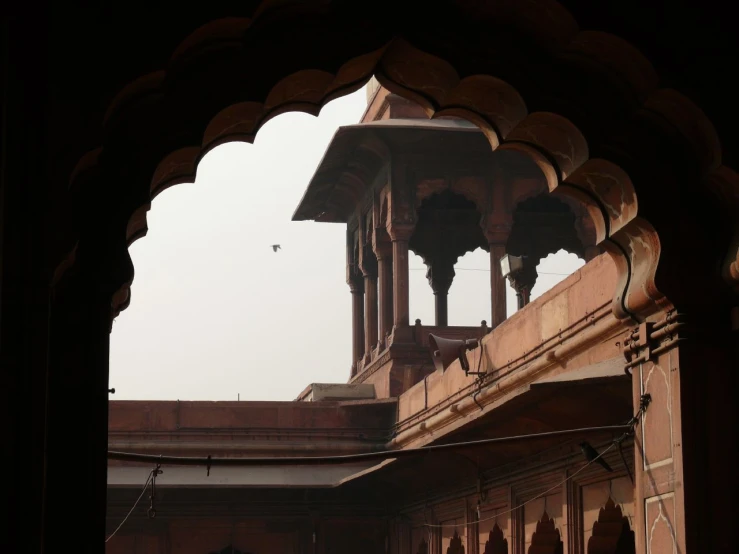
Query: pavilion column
x=356 y=286
x=499 y=310
x=441 y=275
x=496 y=226
x=370 y=314
x=384 y=253
x=400 y=236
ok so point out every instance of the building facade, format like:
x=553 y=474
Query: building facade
x=622 y=106
x=402 y=182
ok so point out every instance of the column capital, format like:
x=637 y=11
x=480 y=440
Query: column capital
x=368 y=266
x=356 y=284
x=383 y=250
x=497 y=235
x=440 y=275
x=496 y=226
x=400 y=232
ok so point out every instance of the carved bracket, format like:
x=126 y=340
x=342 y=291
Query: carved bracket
x=650 y=339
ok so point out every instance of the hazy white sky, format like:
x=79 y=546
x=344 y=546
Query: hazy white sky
x=215 y=313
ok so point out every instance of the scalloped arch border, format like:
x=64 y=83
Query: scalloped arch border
x=552 y=141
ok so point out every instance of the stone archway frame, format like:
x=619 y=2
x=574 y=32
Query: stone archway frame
x=151 y=141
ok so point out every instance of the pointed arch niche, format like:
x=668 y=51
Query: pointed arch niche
x=452 y=542
x=423 y=547
x=612 y=533
x=546 y=539
x=494 y=529
x=608 y=517
x=542 y=525
x=423 y=539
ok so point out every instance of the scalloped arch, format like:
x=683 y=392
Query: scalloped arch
x=489 y=102
x=555 y=144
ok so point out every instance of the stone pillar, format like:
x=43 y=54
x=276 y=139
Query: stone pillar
x=660 y=524
x=496 y=225
x=85 y=300
x=356 y=286
x=370 y=314
x=440 y=276
x=80 y=326
x=384 y=253
x=499 y=308
x=400 y=236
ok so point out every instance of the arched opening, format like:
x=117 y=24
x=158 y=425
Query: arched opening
x=451 y=236
x=420 y=295
x=546 y=538
x=612 y=533
x=495 y=542
x=608 y=516
x=542 y=225
x=452 y=542
x=636 y=95
x=226 y=310
x=553 y=269
x=470 y=295
x=448 y=226
x=542 y=520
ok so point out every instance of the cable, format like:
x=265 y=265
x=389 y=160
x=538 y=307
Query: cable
x=643 y=404
x=482 y=269
x=558 y=485
x=148 y=480
x=347 y=458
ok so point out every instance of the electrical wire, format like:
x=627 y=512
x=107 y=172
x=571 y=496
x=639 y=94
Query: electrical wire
x=630 y=426
x=349 y=458
x=483 y=269
x=643 y=404
x=558 y=485
x=146 y=485
x=537 y=497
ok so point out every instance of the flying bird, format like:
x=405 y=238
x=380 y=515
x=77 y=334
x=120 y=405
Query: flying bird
x=276 y=247
x=591 y=454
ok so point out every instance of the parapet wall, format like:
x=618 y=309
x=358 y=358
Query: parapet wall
x=562 y=314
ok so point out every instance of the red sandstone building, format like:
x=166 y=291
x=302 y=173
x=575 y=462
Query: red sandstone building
x=402 y=182
x=609 y=124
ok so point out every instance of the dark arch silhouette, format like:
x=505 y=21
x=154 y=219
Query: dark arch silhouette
x=612 y=533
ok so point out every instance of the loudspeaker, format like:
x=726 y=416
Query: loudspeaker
x=445 y=351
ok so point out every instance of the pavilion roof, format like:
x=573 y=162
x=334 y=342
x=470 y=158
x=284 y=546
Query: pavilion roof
x=357 y=153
